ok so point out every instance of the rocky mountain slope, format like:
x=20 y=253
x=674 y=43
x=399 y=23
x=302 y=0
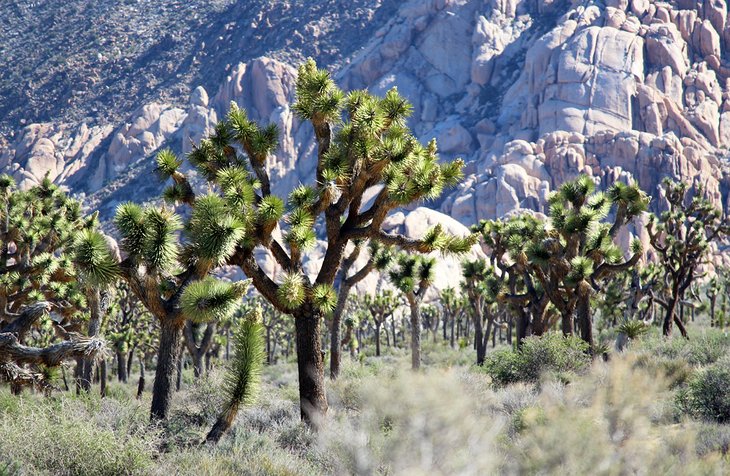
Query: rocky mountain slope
x=529 y=92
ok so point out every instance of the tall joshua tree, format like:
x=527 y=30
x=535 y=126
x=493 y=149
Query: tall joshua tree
x=571 y=256
x=362 y=144
x=43 y=239
x=682 y=236
x=413 y=275
x=168 y=273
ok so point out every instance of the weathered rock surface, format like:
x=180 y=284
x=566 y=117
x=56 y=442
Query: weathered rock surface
x=530 y=93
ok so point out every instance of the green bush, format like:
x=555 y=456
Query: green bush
x=548 y=353
x=707 y=394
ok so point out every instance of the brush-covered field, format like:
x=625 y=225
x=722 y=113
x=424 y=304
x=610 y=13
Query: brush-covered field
x=657 y=408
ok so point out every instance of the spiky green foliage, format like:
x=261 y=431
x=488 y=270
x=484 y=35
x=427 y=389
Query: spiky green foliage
x=568 y=257
x=244 y=372
x=52 y=257
x=248 y=358
x=91 y=255
x=211 y=299
x=324 y=297
x=412 y=273
x=363 y=144
x=291 y=291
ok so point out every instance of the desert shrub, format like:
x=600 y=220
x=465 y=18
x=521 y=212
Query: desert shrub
x=548 y=353
x=707 y=394
x=676 y=372
x=75 y=437
x=713 y=438
x=702 y=349
x=604 y=424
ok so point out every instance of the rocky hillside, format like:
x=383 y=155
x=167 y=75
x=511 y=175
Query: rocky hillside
x=530 y=92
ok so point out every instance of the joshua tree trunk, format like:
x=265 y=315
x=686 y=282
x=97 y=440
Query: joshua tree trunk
x=415 y=331
x=310 y=363
x=141 y=383
x=392 y=330
x=130 y=359
x=671 y=318
x=713 y=300
x=451 y=337
x=336 y=334
x=198 y=350
x=167 y=357
x=102 y=377
x=95 y=306
x=522 y=325
x=222 y=424
x=179 y=365
x=121 y=366
x=583 y=313
x=377 y=339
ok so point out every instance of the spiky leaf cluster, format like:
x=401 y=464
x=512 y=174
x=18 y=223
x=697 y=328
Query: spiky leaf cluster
x=211 y=299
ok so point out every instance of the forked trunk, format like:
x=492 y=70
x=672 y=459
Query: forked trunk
x=167 y=358
x=310 y=363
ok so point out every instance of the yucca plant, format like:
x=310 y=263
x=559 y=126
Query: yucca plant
x=682 y=236
x=363 y=144
x=243 y=372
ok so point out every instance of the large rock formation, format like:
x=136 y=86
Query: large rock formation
x=530 y=93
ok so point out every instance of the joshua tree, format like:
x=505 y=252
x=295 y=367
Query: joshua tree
x=43 y=240
x=413 y=275
x=168 y=274
x=381 y=307
x=577 y=251
x=507 y=241
x=479 y=286
x=682 y=236
x=243 y=373
x=454 y=305
x=362 y=143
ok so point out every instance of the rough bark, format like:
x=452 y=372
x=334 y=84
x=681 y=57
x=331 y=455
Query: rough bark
x=121 y=366
x=310 y=363
x=415 y=331
x=167 y=356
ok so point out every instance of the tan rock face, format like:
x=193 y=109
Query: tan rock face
x=529 y=93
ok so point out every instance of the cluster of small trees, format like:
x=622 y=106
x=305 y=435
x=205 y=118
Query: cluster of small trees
x=61 y=279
